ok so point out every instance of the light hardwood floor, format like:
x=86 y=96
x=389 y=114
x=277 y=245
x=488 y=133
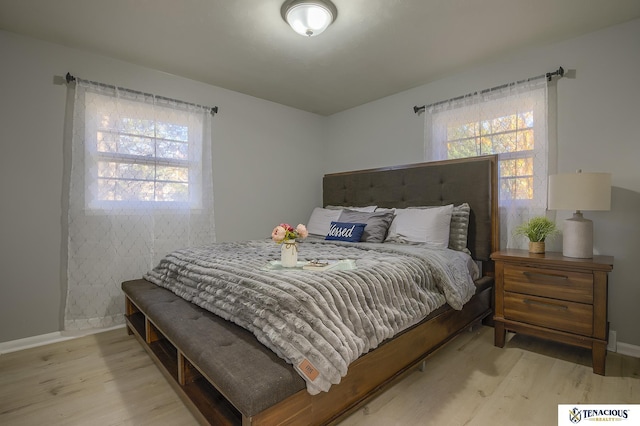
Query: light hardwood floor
x=108 y=379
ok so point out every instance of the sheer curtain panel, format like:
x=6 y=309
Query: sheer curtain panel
x=514 y=122
x=140 y=186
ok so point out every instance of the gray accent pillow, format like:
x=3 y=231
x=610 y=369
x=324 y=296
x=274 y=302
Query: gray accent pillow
x=459 y=227
x=377 y=223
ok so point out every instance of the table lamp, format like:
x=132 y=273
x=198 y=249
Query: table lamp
x=579 y=191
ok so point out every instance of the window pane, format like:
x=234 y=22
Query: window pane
x=525 y=120
x=106 y=143
x=173 y=174
x=499 y=124
x=462 y=148
x=463 y=131
x=516 y=167
x=137 y=126
x=516 y=188
x=126 y=170
x=173 y=150
x=516 y=178
x=507 y=168
x=172 y=131
x=524 y=166
x=135 y=145
x=500 y=143
x=125 y=144
x=525 y=140
x=106 y=189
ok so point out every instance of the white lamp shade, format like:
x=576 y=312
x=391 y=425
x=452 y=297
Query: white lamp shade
x=580 y=191
x=309 y=18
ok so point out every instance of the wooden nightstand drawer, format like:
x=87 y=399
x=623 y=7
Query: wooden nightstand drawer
x=556 y=314
x=557 y=284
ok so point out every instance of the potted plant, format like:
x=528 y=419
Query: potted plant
x=537 y=230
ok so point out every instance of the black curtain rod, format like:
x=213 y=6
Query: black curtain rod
x=549 y=76
x=214 y=110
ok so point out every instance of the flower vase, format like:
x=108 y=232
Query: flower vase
x=289 y=253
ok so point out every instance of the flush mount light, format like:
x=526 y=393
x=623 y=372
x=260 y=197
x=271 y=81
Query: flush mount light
x=309 y=17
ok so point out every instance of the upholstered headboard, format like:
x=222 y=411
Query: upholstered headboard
x=472 y=180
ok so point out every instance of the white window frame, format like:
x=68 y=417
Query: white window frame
x=98 y=105
x=490 y=108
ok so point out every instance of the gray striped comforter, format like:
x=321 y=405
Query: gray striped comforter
x=319 y=321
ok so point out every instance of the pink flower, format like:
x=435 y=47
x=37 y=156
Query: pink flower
x=302 y=231
x=284 y=231
x=278 y=234
x=287 y=227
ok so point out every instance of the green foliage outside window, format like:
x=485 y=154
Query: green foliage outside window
x=510 y=135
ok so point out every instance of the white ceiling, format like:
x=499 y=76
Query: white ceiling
x=374 y=49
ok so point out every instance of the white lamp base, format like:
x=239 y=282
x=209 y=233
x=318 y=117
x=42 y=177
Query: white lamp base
x=577 y=238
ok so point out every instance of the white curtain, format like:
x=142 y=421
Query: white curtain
x=140 y=186
x=515 y=122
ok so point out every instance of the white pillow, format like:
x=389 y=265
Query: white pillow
x=366 y=209
x=422 y=226
x=321 y=219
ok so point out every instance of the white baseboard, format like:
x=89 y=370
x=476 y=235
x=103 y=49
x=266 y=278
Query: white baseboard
x=47 y=339
x=628 y=349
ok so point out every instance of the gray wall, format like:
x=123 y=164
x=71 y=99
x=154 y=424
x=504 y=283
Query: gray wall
x=598 y=117
x=267 y=158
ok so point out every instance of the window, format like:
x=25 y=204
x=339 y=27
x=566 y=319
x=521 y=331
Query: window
x=141 y=154
x=140 y=186
x=512 y=122
x=510 y=134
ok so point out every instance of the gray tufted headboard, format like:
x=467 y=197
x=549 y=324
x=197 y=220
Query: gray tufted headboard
x=471 y=180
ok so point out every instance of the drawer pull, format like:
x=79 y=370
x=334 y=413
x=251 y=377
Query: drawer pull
x=549 y=305
x=540 y=274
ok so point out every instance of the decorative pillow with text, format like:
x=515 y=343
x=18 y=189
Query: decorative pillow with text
x=345 y=231
x=377 y=223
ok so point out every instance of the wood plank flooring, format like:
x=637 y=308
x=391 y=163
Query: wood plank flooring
x=108 y=379
x=103 y=379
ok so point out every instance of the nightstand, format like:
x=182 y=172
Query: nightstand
x=553 y=297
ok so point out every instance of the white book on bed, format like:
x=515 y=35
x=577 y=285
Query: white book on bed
x=320 y=265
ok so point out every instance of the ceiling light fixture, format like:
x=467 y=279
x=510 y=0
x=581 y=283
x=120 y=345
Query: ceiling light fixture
x=309 y=17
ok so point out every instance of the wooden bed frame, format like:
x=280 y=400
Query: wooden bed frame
x=378 y=369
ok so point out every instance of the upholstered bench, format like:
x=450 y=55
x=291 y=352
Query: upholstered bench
x=226 y=377
x=194 y=345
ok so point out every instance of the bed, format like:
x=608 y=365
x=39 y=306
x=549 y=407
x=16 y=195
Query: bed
x=228 y=374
